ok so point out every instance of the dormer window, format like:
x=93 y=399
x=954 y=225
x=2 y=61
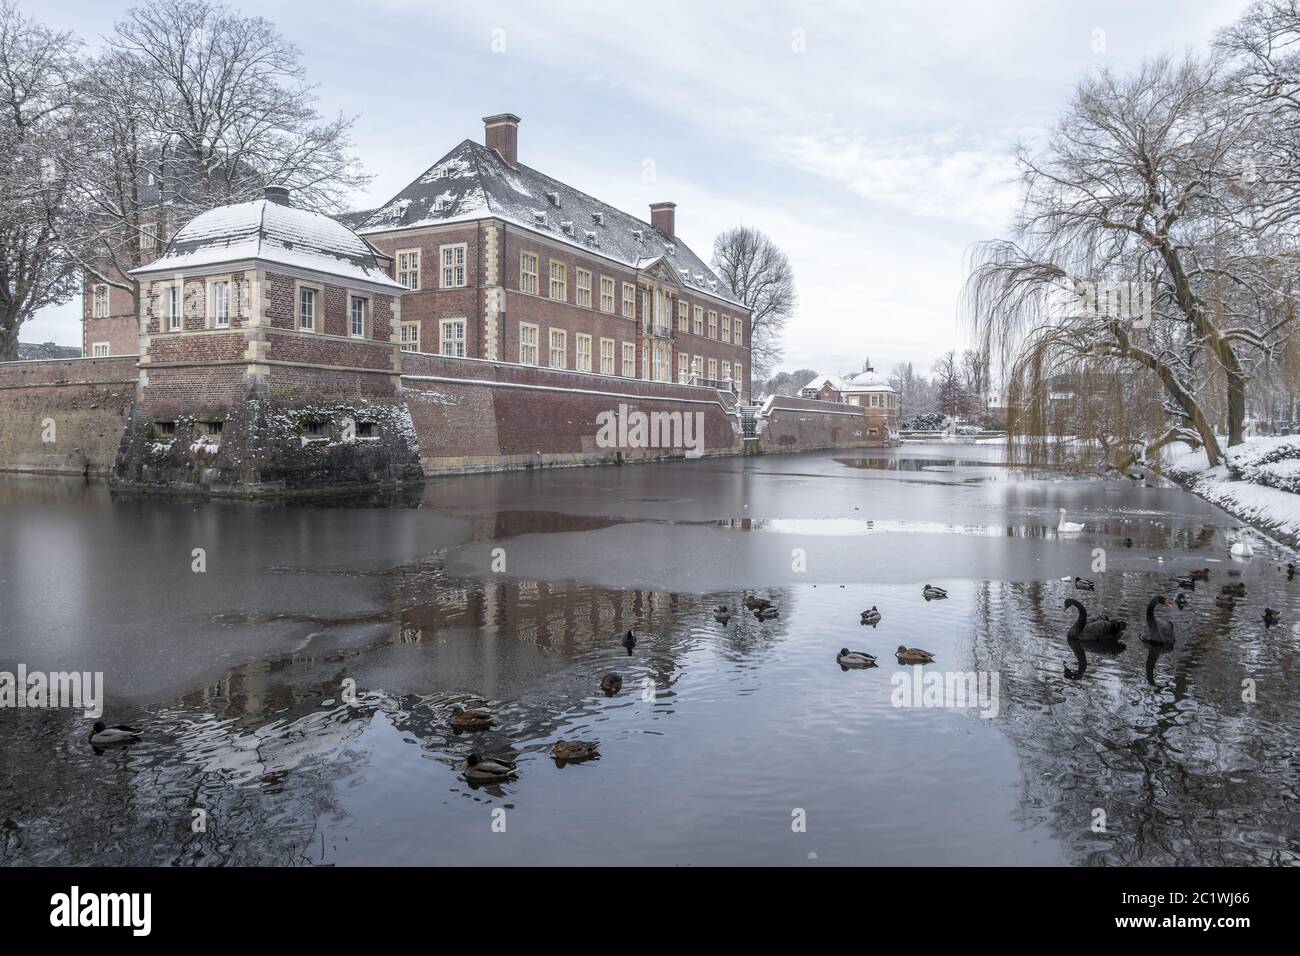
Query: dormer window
x=553 y=198
x=590 y=236
x=566 y=226
x=670 y=248
x=598 y=218
x=638 y=235
x=539 y=218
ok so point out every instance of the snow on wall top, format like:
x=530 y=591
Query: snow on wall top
x=474 y=182
x=270 y=232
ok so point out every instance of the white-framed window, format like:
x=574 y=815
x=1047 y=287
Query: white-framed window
x=629 y=360
x=408 y=336
x=629 y=300
x=99 y=301
x=726 y=371
x=875 y=401
x=408 y=268
x=607 y=294
x=453 y=337
x=683 y=367
x=173 y=309
x=699 y=320
x=606 y=356
x=358 y=316
x=453 y=265
x=582 y=352
x=559 y=280
x=528 y=272
x=713 y=324
x=584 y=288
x=713 y=370
x=683 y=316
x=99 y=350
x=219 y=297
x=736 y=335
x=149 y=237
x=528 y=344
x=308 y=302
x=726 y=328
x=559 y=348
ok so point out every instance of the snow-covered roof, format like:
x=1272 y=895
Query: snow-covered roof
x=270 y=232
x=868 y=381
x=473 y=182
x=822 y=380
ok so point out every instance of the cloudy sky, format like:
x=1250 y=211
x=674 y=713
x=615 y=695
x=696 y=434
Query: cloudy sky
x=872 y=142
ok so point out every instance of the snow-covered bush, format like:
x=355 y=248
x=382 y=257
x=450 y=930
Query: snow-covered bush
x=1272 y=462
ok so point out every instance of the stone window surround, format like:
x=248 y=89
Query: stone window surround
x=318 y=306
x=368 y=316
x=442 y=265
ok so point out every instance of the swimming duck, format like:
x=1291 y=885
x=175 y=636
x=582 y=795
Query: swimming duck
x=1241 y=547
x=871 y=617
x=848 y=658
x=462 y=719
x=611 y=684
x=1226 y=601
x=1102 y=629
x=102 y=736
x=1067 y=526
x=932 y=593
x=1236 y=590
x=1181 y=600
x=912 y=655
x=1271 y=616
x=572 y=751
x=1158 y=632
x=1083 y=584
x=722 y=614
x=1186 y=584
x=480 y=770
x=629 y=641
x=1290 y=570
x=756 y=603
x=1201 y=574
x=1128 y=542
x=767 y=613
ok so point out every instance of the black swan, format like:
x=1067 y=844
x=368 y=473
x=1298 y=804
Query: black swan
x=1102 y=629
x=1158 y=632
x=1080 y=658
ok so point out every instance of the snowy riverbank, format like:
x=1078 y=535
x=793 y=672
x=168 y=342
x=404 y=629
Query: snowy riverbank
x=1260 y=483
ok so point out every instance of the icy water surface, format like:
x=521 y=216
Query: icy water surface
x=737 y=743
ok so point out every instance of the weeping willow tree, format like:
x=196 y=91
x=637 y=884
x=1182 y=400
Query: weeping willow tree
x=1139 y=267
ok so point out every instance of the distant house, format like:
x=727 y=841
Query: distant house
x=868 y=390
x=33 y=352
x=825 y=388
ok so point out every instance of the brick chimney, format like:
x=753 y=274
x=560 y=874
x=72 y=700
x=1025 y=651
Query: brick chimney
x=664 y=218
x=501 y=132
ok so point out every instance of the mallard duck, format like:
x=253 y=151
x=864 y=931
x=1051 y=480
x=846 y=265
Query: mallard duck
x=1226 y=601
x=912 y=655
x=932 y=593
x=1236 y=590
x=1158 y=632
x=629 y=641
x=102 y=736
x=1181 y=600
x=1067 y=527
x=722 y=614
x=1102 y=629
x=481 y=770
x=755 y=603
x=1271 y=616
x=767 y=613
x=462 y=719
x=1187 y=584
x=1200 y=574
x=611 y=684
x=1083 y=584
x=572 y=751
x=848 y=658
x=871 y=617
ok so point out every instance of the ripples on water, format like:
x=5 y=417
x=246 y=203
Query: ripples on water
x=721 y=732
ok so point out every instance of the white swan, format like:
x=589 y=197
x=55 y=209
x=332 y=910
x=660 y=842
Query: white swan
x=1241 y=547
x=1065 y=526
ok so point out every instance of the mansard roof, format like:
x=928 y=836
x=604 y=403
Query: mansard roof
x=271 y=232
x=473 y=182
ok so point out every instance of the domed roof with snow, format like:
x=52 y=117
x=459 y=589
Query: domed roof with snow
x=868 y=381
x=271 y=232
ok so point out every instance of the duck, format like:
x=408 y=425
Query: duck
x=1063 y=526
x=1158 y=632
x=847 y=658
x=1083 y=584
x=1271 y=616
x=629 y=641
x=573 y=751
x=912 y=655
x=1181 y=600
x=102 y=736
x=755 y=603
x=1236 y=590
x=932 y=593
x=767 y=613
x=1241 y=547
x=1128 y=542
x=1102 y=629
x=1187 y=584
x=482 y=770
x=1290 y=570
x=1226 y=601
x=871 y=617
x=722 y=614
x=1200 y=574
x=611 y=683
x=462 y=719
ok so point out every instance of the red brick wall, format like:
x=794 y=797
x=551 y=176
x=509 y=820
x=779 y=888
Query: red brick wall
x=804 y=424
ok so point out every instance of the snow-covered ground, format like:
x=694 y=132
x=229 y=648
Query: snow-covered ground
x=1259 y=483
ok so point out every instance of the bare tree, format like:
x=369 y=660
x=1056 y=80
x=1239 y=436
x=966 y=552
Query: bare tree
x=35 y=107
x=761 y=276
x=953 y=399
x=192 y=106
